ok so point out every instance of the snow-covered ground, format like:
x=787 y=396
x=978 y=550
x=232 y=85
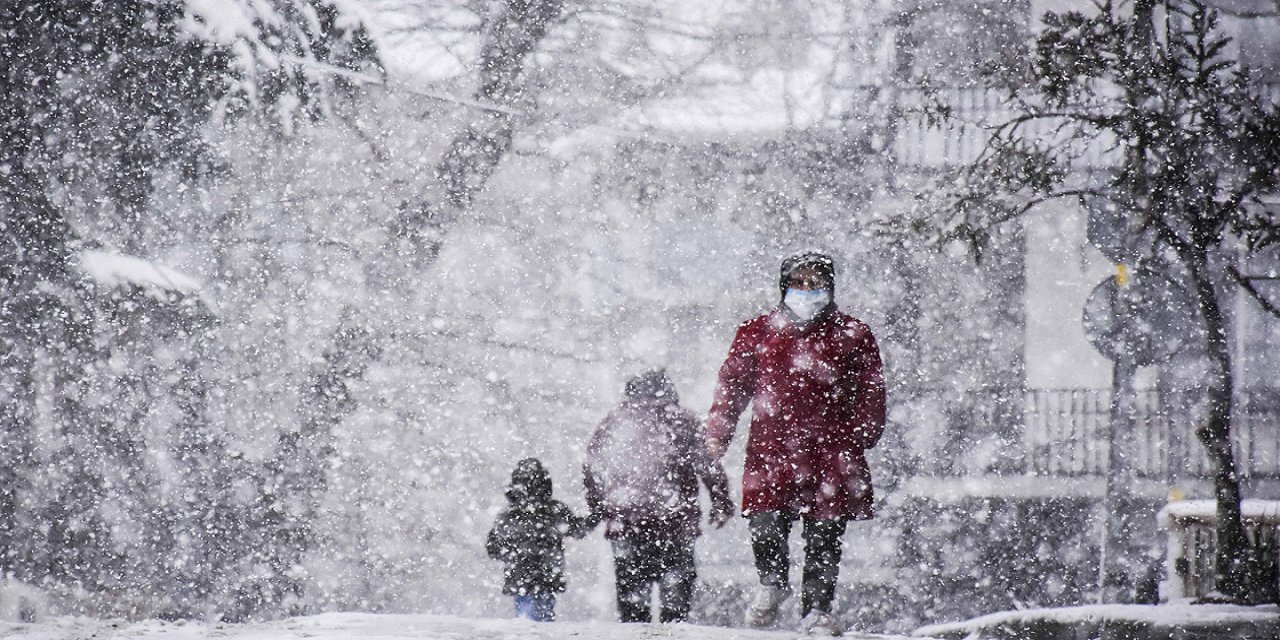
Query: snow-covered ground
x=343 y=626
x=1178 y=620
x=1199 y=621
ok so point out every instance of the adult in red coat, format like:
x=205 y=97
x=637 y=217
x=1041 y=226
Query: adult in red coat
x=813 y=377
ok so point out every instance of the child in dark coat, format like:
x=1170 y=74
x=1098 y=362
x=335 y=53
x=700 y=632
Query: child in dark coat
x=528 y=537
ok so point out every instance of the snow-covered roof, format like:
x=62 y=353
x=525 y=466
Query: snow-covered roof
x=113 y=270
x=1206 y=510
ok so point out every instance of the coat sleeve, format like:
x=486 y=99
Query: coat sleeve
x=575 y=527
x=868 y=415
x=735 y=385
x=496 y=544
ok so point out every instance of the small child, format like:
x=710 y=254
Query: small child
x=528 y=537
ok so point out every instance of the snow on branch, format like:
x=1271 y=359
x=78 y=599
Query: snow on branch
x=114 y=270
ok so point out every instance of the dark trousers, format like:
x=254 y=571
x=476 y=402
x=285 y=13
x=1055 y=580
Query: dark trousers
x=769 y=533
x=640 y=562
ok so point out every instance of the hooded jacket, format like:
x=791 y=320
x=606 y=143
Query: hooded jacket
x=644 y=462
x=528 y=535
x=818 y=403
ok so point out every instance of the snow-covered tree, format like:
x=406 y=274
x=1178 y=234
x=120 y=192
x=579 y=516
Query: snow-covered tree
x=1193 y=148
x=118 y=494
x=119 y=87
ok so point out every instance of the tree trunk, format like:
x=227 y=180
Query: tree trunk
x=17 y=411
x=34 y=252
x=473 y=155
x=297 y=476
x=1215 y=435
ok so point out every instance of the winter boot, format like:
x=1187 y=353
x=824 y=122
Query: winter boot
x=820 y=623
x=764 y=607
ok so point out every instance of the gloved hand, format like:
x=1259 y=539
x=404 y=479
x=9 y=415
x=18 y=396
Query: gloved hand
x=715 y=448
x=721 y=512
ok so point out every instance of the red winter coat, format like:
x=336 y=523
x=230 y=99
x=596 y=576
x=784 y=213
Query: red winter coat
x=818 y=403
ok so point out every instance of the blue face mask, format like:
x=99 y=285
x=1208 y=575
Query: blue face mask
x=806 y=303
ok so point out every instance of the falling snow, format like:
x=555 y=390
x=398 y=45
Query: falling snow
x=287 y=288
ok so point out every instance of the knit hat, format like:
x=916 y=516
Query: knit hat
x=820 y=262
x=652 y=386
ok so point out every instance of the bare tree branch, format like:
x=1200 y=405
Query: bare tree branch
x=1246 y=284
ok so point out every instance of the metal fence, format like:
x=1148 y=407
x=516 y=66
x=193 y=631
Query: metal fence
x=1066 y=433
x=959 y=139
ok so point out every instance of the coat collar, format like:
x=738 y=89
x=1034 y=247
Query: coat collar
x=782 y=318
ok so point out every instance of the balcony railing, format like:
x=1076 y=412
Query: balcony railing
x=1065 y=433
x=961 y=138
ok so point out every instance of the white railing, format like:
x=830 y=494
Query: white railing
x=961 y=138
x=1066 y=433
